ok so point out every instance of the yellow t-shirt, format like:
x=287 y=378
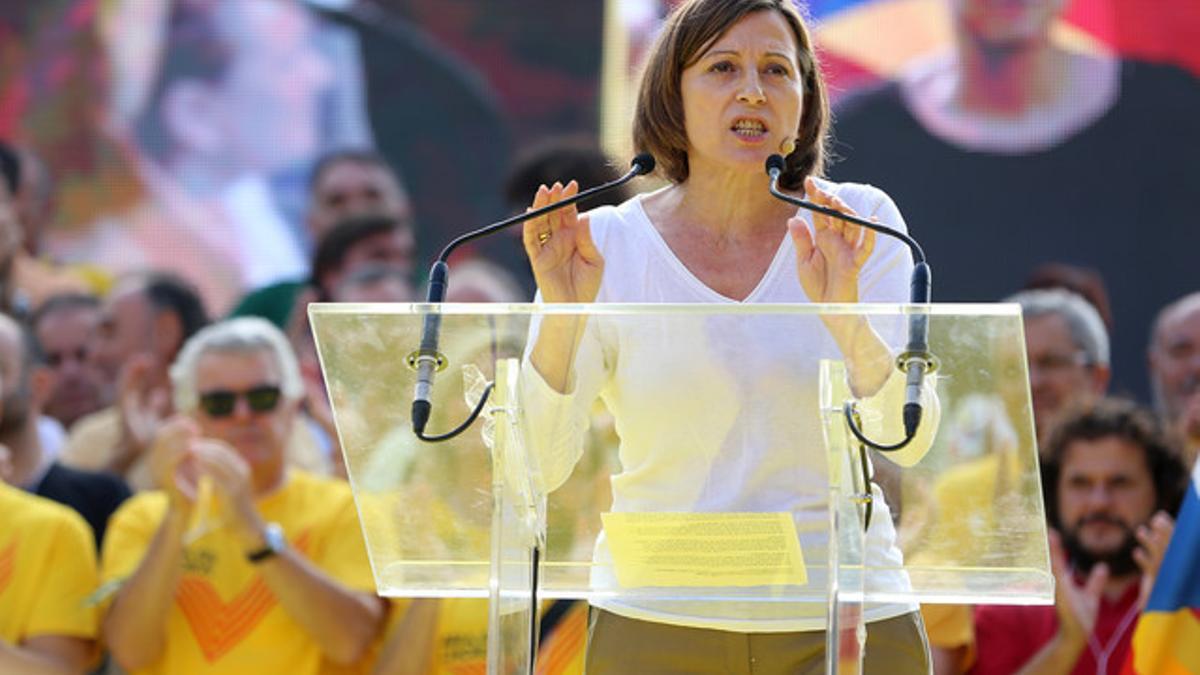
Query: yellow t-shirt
x=459 y=645
x=225 y=619
x=47 y=569
x=460 y=642
x=461 y=636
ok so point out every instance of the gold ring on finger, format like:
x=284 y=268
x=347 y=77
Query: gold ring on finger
x=543 y=237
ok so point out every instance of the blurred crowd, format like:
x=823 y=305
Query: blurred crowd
x=175 y=495
x=134 y=416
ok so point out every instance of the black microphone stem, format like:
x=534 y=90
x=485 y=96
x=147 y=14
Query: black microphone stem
x=638 y=169
x=427 y=360
x=916 y=361
x=918 y=253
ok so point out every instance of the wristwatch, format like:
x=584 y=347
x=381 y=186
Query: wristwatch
x=275 y=542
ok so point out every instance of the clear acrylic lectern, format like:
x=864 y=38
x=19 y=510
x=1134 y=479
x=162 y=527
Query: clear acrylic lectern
x=696 y=467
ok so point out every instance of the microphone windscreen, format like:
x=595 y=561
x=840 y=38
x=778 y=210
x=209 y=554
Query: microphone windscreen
x=644 y=163
x=775 y=163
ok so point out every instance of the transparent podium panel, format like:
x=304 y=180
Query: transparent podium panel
x=691 y=463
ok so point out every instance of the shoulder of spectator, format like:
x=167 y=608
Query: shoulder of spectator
x=142 y=509
x=98 y=432
x=96 y=484
x=45 y=515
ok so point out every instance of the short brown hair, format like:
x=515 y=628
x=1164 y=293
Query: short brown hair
x=658 y=125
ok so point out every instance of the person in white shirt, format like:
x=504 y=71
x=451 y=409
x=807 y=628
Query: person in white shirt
x=728 y=83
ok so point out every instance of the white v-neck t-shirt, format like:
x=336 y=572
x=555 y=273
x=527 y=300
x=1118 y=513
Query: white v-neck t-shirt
x=715 y=413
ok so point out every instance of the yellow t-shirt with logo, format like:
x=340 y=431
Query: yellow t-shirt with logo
x=225 y=618
x=461 y=635
x=47 y=569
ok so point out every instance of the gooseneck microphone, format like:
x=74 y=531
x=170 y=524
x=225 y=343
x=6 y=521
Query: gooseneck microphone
x=427 y=360
x=916 y=361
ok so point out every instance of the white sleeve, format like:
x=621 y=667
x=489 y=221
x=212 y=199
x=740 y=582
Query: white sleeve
x=554 y=423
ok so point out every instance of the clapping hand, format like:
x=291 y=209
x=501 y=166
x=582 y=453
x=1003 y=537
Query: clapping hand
x=182 y=458
x=1077 y=607
x=143 y=405
x=1153 y=538
x=171 y=464
x=233 y=486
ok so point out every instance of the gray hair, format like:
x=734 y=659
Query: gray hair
x=240 y=335
x=1180 y=307
x=1084 y=322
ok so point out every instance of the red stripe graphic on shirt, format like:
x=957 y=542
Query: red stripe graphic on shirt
x=220 y=626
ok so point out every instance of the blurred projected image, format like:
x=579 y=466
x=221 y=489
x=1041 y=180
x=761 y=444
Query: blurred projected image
x=219 y=108
x=183 y=133
x=1017 y=137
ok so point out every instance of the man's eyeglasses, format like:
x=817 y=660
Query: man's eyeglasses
x=221 y=402
x=1057 y=363
x=61 y=358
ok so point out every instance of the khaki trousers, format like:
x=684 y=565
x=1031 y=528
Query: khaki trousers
x=621 y=646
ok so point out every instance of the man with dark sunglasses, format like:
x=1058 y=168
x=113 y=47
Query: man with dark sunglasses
x=239 y=564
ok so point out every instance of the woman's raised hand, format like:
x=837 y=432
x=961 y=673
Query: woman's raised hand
x=830 y=258
x=566 y=264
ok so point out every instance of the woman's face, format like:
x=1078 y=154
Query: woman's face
x=743 y=98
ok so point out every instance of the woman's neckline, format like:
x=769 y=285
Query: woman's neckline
x=690 y=277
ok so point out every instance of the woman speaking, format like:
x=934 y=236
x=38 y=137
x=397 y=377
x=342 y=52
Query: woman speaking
x=728 y=83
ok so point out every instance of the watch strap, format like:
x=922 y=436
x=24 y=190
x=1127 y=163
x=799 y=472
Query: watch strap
x=274 y=543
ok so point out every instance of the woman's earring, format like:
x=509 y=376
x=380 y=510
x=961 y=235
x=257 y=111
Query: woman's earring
x=787 y=147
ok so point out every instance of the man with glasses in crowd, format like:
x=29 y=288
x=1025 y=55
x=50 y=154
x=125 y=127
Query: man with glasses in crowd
x=1068 y=351
x=239 y=564
x=64 y=326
